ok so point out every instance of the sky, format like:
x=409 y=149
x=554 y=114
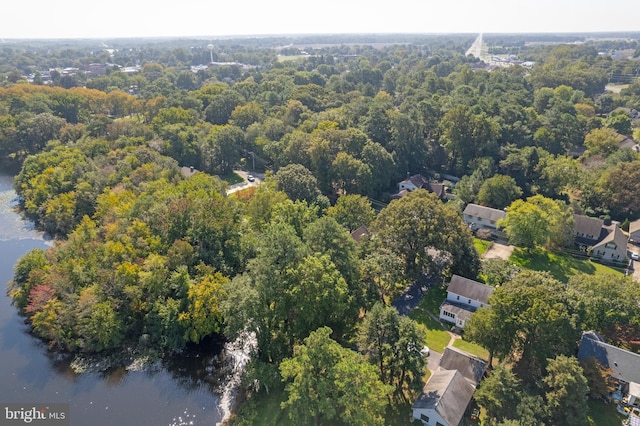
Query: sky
x=144 y=18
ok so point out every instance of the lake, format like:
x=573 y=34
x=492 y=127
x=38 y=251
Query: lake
x=181 y=390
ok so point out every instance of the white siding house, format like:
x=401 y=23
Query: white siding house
x=444 y=399
x=477 y=216
x=464 y=297
x=613 y=247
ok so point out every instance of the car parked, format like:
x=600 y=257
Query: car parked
x=251 y=178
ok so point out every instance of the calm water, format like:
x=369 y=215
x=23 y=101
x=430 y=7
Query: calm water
x=182 y=390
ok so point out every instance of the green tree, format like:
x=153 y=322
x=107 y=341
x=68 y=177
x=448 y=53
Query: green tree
x=350 y=175
x=609 y=304
x=498 y=192
x=602 y=141
x=429 y=237
x=619 y=194
x=566 y=392
x=393 y=343
x=538 y=221
x=297 y=182
x=352 y=211
x=327 y=382
x=620 y=122
x=499 y=393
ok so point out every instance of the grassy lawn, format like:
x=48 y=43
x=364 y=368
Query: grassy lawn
x=560 y=265
x=602 y=414
x=472 y=348
x=232 y=178
x=481 y=245
x=263 y=409
x=437 y=337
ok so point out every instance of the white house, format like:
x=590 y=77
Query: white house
x=477 y=216
x=444 y=399
x=613 y=247
x=464 y=296
x=412 y=183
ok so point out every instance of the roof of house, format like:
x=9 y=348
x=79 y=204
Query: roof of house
x=627 y=142
x=448 y=393
x=634 y=226
x=360 y=233
x=188 y=171
x=470 y=289
x=587 y=225
x=418 y=181
x=484 y=212
x=460 y=310
x=470 y=366
x=616 y=236
x=437 y=188
x=624 y=365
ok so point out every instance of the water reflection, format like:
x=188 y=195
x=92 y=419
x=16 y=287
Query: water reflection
x=180 y=390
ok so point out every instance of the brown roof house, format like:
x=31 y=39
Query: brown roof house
x=464 y=297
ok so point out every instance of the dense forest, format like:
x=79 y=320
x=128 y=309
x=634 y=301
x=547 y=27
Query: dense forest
x=150 y=259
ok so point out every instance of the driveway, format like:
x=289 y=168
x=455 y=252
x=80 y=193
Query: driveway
x=498 y=251
x=259 y=177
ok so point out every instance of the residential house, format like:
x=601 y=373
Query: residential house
x=471 y=367
x=412 y=183
x=588 y=230
x=444 y=399
x=418 y=181
x=359 y=234
x=634 y=231
x=624 y=366
x=477 y=216
x=627 y=142
x=464 y=297
x=612 y=247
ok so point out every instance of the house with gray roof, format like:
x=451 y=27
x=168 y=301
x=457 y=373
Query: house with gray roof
x=624 y=365
x=634 y=231
x=471 y=367
x=613 y=247
x=444 y=399
x=477 y=216
x=587 y=230
x=464 y=296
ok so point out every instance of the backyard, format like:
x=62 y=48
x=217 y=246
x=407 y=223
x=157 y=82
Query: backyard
x=560 y=265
